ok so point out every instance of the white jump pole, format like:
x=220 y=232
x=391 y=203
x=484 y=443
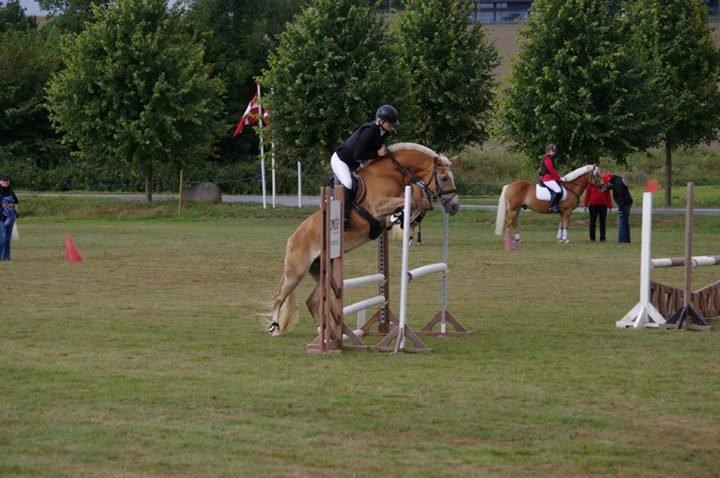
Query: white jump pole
x=262 y=148
x=272 y=159
x=404 y=278
x=644 y=314
x=299 y=174
x=444 y=275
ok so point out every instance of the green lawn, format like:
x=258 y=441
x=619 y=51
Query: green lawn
x=150 y=358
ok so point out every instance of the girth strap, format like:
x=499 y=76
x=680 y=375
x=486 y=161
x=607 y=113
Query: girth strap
x=376 y=226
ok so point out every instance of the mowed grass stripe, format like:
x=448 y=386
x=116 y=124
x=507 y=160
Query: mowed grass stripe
x=150 y=358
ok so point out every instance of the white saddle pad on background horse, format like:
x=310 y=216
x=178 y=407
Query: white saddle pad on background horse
x=543 y=193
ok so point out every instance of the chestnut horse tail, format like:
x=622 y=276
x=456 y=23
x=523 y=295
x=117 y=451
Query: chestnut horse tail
x=289 y=312
x=501 y=211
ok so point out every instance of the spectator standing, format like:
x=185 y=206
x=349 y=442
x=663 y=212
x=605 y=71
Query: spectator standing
x=598 y=202
x=624 y=201
x=9 y=201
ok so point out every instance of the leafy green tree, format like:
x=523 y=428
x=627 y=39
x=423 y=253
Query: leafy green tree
x=450 y=64
x=578 y=81
x=330 y=71
x=239 y=34
x=678 y=41
x=135 y=90
x=70 y=16
x=13 y=17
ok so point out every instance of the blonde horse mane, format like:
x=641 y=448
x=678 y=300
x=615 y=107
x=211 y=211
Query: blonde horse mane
x=423 y=149
x=572 y=175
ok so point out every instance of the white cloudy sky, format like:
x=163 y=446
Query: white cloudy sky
x=31 y=7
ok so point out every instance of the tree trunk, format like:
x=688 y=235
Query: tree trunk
x=668 y=174
x=148 y=183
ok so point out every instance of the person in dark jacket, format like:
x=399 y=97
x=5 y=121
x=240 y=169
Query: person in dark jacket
x=624 y=201
x=599 y=202
x=6 y=230
x=367 y=143
x=550 y=178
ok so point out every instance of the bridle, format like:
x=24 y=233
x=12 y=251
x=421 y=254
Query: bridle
x=444 y=195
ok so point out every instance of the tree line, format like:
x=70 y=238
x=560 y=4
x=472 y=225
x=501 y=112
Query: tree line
x=133 y=90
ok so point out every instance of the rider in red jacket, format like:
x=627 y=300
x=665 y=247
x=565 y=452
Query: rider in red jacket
x=550 y=177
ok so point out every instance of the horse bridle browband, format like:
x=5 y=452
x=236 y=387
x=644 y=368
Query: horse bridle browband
x=425 y=187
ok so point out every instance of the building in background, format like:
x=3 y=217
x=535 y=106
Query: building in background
x=514 y=11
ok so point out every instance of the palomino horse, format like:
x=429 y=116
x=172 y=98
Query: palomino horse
x=385 y=179
x=521 y=194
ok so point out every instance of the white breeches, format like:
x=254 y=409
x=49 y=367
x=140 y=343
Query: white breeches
x=341 y=170
x=553 y=185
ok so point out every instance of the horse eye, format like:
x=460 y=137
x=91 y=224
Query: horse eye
x=444 y=178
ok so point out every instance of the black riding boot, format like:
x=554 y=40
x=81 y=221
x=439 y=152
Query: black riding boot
x=555 y=201
x=347 y=204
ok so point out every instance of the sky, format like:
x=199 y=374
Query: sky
x=31 y=7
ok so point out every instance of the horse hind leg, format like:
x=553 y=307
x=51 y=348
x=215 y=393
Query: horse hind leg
x=285 y=306
x=512 y=238
x=313 y=301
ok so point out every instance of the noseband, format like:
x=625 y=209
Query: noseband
x=445 y=196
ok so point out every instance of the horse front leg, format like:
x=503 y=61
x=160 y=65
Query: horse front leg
x=562 y=234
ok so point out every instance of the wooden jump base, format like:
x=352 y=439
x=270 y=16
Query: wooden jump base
x=658 y=301
x=334 y=334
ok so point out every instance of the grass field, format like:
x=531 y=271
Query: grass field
x=149 y=359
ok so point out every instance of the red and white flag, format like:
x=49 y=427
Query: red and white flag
x=250 y=117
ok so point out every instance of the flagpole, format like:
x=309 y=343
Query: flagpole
x=262 y=147
x=299 y=183
x=272 y=145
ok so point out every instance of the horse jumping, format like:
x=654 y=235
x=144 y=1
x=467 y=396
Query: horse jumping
x=522 y=194
x=385 y=179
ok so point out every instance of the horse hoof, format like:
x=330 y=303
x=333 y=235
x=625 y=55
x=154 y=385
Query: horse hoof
x=274 y=329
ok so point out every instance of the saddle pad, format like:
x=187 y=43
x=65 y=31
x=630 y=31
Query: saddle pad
x=543 y=193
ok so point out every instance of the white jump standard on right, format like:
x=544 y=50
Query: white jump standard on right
x=644 y=314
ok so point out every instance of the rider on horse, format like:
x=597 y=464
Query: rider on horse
x=550 y=177
x=367 y=143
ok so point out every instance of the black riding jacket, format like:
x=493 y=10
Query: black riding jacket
x=362 y=145
x=620 y=191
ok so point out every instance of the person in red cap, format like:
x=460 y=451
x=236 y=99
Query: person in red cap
x=598 y=201
x=624 y=201
x=549 y=177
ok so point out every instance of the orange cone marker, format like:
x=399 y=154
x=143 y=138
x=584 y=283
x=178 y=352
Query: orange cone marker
x=71 y=252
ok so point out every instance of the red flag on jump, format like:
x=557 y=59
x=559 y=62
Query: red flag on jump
x=652 y=186
x=250 y=117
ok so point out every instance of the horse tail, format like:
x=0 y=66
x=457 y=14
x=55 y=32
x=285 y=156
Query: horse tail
x=289 y=312
x=501 y=212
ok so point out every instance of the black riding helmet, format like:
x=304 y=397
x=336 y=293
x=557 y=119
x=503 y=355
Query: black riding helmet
x=388 y=113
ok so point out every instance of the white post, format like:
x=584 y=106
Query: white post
x=272 y=159
x=644 y=314
x=262 y=148
x=404 y=270
x=299 y=168
x=444 y=276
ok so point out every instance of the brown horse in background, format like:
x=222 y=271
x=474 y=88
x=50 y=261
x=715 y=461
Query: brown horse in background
x=521 y=194
x=385 y=179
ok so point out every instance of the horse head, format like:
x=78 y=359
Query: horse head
x=429 y=171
